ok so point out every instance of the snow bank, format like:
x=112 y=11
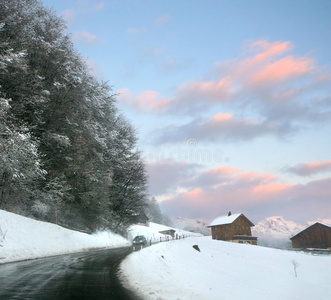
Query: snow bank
x=224 y=270
x=22 y=238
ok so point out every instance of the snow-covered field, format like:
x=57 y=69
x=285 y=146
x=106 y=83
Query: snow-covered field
x=23 y=238
x=224 y=270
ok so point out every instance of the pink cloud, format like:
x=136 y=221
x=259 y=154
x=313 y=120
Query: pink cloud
x=165 y=176
x=146 y=101
x=136 y=30
x=68 y=15
x=223 y=170
x=255 y=176
x=260 y=193
x=222 y=117
x=269 y=50
x=81 y=7
x=221 y=127
x=265 y=53
x=237 y=174
x=310 y=168
x=84 y=36
x=221 y=189
x=99 y=6
x=150 y=100
x=287 y=68
x=265 y=190
x=95 y=68
x=215 y=90
x=279 y=91
x=162 y=20
x=267 y=65
x=223 y=176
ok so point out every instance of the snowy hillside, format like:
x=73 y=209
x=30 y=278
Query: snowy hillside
x=191 y=225
x=224 y=270
x=22 y=238
x=276 y=232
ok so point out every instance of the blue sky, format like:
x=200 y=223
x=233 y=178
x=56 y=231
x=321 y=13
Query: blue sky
x=231 y=99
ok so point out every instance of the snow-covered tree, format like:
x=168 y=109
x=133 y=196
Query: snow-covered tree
x=153 y=211
x=78 y=150
x=20 y=164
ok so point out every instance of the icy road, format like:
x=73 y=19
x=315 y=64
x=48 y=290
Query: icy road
x=88 y=275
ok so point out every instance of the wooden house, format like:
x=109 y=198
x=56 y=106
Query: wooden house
x=233 y=228
x=140 y=219
x=170 y=232
x=317 y=236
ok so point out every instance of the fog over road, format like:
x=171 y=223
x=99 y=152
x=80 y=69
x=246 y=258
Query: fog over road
x=88 y=275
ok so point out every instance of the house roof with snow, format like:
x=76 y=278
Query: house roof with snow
x=223 y=220
x=305 y=231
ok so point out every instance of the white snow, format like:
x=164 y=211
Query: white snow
x=22 y=238
x=224 y=220
x=224 y=270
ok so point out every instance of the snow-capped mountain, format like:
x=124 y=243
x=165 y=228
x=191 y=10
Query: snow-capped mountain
x=192 y=225
x=276 y=232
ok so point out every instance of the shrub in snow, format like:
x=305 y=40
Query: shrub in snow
x=40 y=209
x=196 y=247
x=295 y=266
x=2 y=237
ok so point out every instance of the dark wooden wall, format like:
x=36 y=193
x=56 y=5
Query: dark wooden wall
x=315 y=236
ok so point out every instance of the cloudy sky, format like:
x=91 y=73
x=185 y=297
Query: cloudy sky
x=231 y=99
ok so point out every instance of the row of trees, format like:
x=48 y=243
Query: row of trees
x=65 y=149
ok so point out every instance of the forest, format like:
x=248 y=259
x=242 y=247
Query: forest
x=67 y=154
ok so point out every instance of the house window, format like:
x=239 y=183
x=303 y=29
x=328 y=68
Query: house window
x=226 y=235
x=226 y=227
x=215 y=228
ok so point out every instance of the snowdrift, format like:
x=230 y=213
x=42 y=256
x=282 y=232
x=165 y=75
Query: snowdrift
x=224 y=270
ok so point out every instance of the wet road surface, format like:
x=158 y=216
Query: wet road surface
x=88 y=275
